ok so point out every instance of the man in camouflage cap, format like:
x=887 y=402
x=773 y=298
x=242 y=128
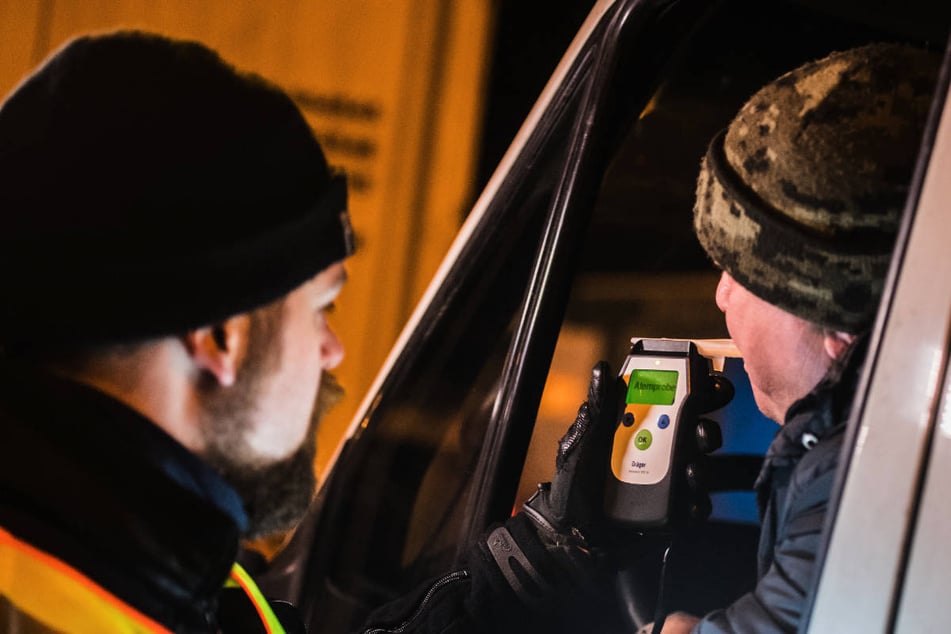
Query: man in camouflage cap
x=799 y=202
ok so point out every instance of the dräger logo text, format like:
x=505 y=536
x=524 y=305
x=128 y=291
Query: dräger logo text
x=638 y=465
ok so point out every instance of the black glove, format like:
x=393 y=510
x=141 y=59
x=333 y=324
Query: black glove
x=543 y=552
x=555 y=545
x=571 y=507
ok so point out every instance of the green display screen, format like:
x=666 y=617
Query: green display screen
x=652 y=387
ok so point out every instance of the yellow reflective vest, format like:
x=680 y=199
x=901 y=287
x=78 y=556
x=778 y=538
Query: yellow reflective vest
x=40 y=593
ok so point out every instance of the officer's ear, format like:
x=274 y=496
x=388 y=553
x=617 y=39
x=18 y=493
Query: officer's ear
x=836 y=342
x=218 y=349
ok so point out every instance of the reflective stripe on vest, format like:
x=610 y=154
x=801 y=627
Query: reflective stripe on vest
x=241 y=579
x=60 y=597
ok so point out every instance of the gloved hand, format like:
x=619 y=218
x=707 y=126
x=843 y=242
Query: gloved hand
x=571 y=507
x=543 y=552
x=551 y=548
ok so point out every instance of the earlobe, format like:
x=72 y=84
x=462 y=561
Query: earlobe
x=836 y=343
x=214 y=349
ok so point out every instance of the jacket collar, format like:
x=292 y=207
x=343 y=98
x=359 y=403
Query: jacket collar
x=91 y=481
x=821 y=412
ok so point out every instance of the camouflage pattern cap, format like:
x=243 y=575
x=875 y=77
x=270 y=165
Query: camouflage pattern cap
x=800 y=198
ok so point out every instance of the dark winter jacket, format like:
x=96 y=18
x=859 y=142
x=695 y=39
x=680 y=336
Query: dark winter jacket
x=96 y=502
x=793 y=491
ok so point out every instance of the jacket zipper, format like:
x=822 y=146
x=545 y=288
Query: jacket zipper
x=438 y=585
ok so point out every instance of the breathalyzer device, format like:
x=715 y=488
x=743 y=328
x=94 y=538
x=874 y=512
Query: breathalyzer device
x=669 y=384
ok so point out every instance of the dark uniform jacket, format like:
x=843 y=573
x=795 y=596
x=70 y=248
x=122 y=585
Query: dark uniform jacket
x=793 y=491
x=108 y=524
x=101 y=507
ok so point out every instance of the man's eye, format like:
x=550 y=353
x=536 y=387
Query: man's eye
x=329 y=308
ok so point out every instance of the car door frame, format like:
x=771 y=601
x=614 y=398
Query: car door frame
x=883 y=541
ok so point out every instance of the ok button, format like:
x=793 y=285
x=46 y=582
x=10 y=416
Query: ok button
x=643 y=439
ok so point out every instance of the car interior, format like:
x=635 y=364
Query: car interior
x=584 y=241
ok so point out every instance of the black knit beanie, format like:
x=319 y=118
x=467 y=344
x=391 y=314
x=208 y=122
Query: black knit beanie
x=148 y=188
x=800 y=198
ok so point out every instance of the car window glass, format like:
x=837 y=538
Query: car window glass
x=396 y=502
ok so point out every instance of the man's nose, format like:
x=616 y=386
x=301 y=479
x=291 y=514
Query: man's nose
x=723 y=291
x=331 y=349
